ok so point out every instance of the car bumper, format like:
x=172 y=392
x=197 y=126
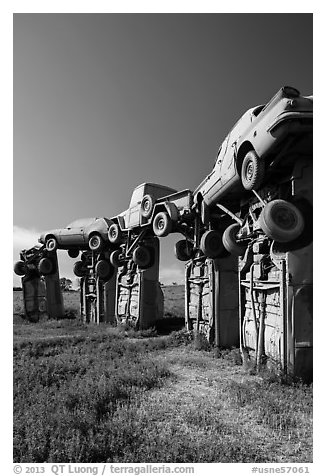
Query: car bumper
x=297 y=121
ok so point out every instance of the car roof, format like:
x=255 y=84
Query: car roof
x=81 y=222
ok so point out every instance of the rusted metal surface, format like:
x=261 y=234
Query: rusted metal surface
x=276 y=318
x=139 y=298
x=42 y=294
x=97 y=295
x=211 y=299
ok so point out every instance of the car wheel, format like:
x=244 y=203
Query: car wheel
x=142 y=257
x=229 y=240
x=281 y=221
x=147 y=206
x=114 y=234
x=104 y=270
x=115 y=259
x=95 y=242
x=73 y=253
x=211 y=244
x=252 y=171
x=79 y=269
x=51 y=244
x=162 y=224
x=20 y=268
x=183 y=250
x=45 y=266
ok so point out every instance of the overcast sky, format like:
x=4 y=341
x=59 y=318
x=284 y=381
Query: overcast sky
x=104 y=102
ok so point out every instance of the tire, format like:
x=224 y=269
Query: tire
x=142 y=257
x=211 y=244
x=281 y=221
x=229 y=240
x=115 y=259
x=51 y=244
x=252 y=171
x=104 y=270
x=147 y=206
x=73 y=253
x=95 y=242
x=20 y=268
x=114 y=234
x=162 y=224
x=79 y=269
x=45 y=266
x=184 y=250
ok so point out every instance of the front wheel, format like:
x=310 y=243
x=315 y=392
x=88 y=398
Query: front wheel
x=281 y=221
x=20 y=268
x=51 y=244
x=45 y=266
x=211 y=244
x=95 y=242
x=252 y=171
x=183 y=250
x=142 y=257
x=229 y=240
x=162 y=224
x=147 y=206
x=79 y=269
x=104 y=270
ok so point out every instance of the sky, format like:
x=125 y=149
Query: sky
x=104 y=102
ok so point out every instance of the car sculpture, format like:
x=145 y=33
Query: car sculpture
x=257 y=150
x=154 y=210
x=84 y=233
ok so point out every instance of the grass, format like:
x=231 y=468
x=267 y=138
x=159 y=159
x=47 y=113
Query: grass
x=84 y=393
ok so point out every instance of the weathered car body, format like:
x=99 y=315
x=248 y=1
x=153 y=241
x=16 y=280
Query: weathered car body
x=77 y=234
x=264 y=130
x=163 y=199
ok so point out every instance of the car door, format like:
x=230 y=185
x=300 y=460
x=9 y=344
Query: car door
x=73 y=234
x=133 y=215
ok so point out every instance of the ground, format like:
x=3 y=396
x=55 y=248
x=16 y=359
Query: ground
x=85 y=393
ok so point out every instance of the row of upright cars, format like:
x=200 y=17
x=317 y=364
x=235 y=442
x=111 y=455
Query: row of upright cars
x=246 y=199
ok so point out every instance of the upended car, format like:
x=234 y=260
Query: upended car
x=258 y=150
x=256 y=145
x=81 y=234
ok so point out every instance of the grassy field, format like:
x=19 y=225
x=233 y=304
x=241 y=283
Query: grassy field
x=95 y=394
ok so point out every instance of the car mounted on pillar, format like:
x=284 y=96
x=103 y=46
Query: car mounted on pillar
x=261 y=148
x=81 y=234
x=154 y=210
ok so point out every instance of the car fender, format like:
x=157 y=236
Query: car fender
x=172 y=211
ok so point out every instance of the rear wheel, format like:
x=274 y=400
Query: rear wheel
x=229 y=240
x=183 y=250
x=95 y=242
x=73 y=253
x=252 y=171
x=162 y=224
x=147 y=206
x=51 y=244
x=142 y=257
x=114 y=234
x=104 y=270
x=281 y=221
x=20 y=268
x=45 y=266
x=211 y=244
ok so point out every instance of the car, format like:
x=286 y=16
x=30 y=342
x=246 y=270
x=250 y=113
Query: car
x=154 y=210
x=256 y=146
x=84 y=233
